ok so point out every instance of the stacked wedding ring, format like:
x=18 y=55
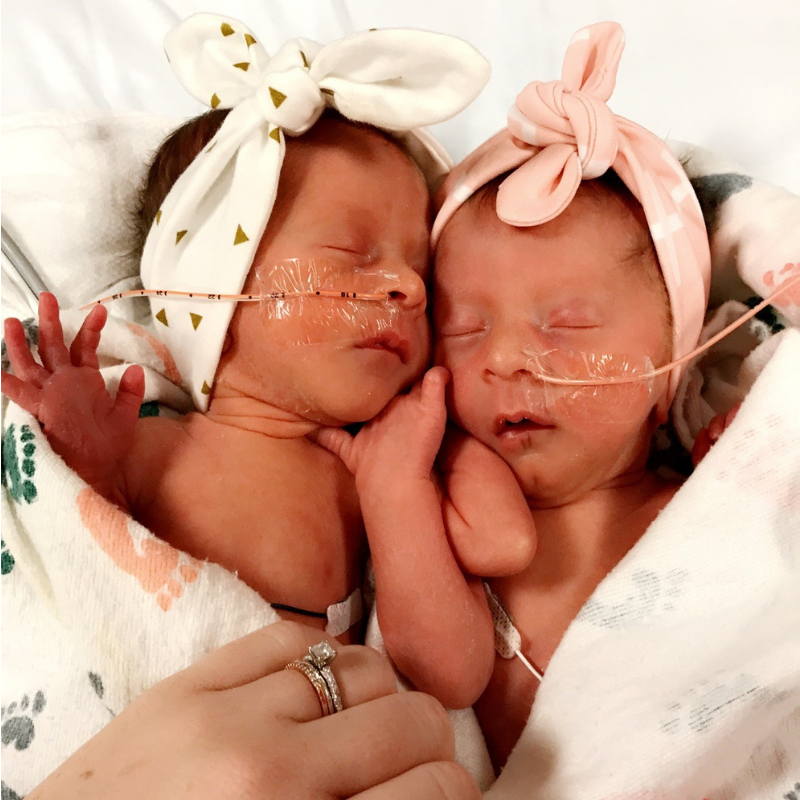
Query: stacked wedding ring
x=315 y=667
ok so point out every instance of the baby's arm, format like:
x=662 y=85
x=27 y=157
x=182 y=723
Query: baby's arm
x=89 y=429
x=434 y=619
x=487 y=517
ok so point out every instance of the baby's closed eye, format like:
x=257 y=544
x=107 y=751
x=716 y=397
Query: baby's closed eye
x=359 y=251
x=461 y=325
x=573 y=317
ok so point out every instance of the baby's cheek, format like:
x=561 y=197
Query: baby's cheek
x=464 y=405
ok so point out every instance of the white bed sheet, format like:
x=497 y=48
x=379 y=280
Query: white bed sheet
x=722 y=75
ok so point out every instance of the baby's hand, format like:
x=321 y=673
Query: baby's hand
x=487 y=516
x=706 y=438
x=405 y=437
x=88 y=428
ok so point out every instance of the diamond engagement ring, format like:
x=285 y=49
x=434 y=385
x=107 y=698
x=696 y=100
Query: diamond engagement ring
x=319 y=656
x=315 y=667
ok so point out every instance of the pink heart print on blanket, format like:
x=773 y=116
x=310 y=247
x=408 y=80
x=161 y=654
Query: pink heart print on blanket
x=791 y=296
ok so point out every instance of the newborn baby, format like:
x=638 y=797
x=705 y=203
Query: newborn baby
x=538 y=275
x=349 y=194
x=584 y=283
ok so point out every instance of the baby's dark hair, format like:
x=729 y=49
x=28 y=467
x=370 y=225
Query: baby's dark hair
x=174 y=155
x=181 y=147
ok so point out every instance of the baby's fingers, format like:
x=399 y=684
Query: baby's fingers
x=83 y=351
x=702 y=445
x=129 y=398
x=432 y=396
x=25 y=366
x=731 y=415
x=52 y=350
x=338 y=441
x=23 y=394
x=434 y=383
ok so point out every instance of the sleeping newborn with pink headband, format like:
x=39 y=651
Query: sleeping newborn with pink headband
x=571 y=262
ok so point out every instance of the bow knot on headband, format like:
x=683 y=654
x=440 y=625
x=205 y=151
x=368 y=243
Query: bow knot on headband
x=581 y=125
x=562 y=132
x=395 y=79
x=290 y=99
x=223 y=66
x=205 y=235
x=571 y=123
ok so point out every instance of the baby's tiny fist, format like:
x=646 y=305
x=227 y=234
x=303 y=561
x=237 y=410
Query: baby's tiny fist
x=707 y=436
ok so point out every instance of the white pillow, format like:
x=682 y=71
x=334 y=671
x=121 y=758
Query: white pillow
x=68 y=193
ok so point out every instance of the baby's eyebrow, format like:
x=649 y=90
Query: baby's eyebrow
x=641 y=247
x=462 y=303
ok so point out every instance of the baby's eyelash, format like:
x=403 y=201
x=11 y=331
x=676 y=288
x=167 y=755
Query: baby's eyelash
x=586 y=327
x=349 y=250
x=461 y=334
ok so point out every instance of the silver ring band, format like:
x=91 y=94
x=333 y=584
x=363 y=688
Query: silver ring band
x=320 y=656
x=315 y=667
x=330 y=682
x=318 y=682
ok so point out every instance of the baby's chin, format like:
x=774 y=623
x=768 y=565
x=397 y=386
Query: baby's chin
x=351 y=404
x=546 y=482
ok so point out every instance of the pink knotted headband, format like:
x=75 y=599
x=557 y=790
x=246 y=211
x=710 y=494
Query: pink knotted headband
x=562 y=132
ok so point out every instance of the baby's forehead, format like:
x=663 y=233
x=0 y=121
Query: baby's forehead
x=598 y=222
x=482 y=262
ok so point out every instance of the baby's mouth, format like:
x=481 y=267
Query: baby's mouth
x=507 y=425
x=391 y=342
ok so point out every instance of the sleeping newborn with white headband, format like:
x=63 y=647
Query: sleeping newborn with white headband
x=304 y=189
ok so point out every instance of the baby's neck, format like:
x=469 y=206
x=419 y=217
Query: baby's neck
x=594 y=532
x=235 y=410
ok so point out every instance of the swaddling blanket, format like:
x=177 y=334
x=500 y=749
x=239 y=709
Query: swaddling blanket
x=95 y=609
x=754 y=230
x=680 y=677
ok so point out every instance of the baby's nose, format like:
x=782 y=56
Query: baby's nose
x=407 y=289
x=510 y=353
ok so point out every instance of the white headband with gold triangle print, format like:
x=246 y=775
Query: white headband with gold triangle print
x=205 y=235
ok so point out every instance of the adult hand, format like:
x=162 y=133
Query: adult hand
x=237 y=725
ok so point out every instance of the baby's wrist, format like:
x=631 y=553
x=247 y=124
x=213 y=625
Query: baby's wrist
x=396 y=481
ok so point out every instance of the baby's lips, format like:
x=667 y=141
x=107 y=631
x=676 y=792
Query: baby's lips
x=389 y=340
x=502 y=421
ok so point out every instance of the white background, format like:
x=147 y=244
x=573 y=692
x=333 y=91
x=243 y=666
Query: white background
x=721 y=73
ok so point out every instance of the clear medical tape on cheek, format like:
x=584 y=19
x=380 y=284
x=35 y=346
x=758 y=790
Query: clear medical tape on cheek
x=327 y=301
x=612 y=387
x=310 y=301
x=584 y=387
